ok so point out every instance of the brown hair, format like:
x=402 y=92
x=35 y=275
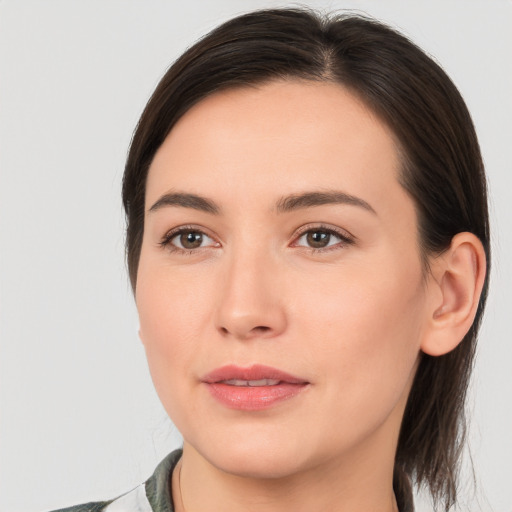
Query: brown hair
x=442 y=170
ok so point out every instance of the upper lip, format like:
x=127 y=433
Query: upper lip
x=254 y=372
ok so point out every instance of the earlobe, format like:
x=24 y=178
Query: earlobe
x=458 y=275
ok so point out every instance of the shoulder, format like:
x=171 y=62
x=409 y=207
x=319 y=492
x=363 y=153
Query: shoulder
x=154 y=495
x=134 y=500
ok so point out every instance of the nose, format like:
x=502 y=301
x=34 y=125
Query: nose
x=251 y=303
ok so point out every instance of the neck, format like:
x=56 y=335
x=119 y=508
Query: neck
x=353 y=486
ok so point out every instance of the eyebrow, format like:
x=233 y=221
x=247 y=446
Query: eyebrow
x=310 y=199
x=185 y=200
x=283 y=205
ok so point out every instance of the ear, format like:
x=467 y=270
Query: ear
x=457 y=279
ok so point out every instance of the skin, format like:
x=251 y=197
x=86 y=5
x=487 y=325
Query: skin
x=350 y=318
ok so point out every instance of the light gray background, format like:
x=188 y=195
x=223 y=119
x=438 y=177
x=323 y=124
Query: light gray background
x=79 y=417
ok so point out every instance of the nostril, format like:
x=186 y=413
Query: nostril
x=260 y=329
x=255 y=331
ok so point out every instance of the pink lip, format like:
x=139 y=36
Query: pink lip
x=252 y=398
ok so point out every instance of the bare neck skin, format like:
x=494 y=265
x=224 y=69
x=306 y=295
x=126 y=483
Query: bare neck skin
x=301 y=494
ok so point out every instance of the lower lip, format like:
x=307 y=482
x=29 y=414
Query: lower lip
x=254 y=398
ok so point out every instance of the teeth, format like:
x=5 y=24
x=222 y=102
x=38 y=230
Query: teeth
x=261 y=382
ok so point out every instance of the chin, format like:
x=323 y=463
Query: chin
x=256 y=457
x=259 y=464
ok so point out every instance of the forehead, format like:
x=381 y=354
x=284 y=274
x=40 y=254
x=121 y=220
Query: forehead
x=276 y=137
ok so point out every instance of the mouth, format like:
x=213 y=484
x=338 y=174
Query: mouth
x=251 y=383
x=254 y=388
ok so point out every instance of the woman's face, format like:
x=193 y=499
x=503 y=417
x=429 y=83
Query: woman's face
x=280 y=289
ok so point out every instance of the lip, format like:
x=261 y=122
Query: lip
x=252 y=398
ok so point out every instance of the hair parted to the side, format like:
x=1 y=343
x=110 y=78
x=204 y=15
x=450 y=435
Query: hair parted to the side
x=442 y=170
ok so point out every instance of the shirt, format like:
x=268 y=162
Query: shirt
x=154 y=495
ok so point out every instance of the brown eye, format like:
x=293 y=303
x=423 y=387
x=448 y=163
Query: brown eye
x=318 y=239
x=190 y=239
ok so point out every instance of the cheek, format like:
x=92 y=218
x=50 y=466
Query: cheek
x=366 y=324
x=171 y=304
x=172 y=315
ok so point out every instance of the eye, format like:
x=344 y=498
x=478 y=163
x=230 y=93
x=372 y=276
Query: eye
x=322 y=238
x=187 y=239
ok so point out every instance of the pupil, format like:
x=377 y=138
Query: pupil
x=191 y=240
x=318 y=239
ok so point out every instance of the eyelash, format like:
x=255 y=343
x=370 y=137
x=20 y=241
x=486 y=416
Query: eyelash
x=344 y=238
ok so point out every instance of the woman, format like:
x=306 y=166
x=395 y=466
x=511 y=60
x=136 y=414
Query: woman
x=308 y=245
